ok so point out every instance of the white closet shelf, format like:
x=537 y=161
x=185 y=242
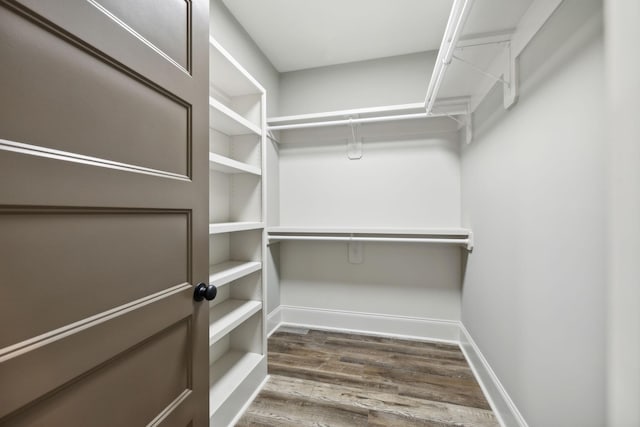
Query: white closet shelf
x=225 y=272
x=229 y=227
x=450 y=107
x=229 y=122
x=227 y=73
x=226 y=316
x=227 y=374
x=455 y=236
x=224 y=164
x=341 y=114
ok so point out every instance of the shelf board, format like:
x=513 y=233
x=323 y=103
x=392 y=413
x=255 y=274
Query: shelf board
x=228 y=75
x=224 y=164
x=422 y=232
x=341 y=114
x=229 y=122
x=229 y=227
x=227 y=374
x=450 y=236
x=225 y=272
x=224 y=317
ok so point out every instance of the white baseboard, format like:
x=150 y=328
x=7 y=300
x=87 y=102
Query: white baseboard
x=502 y=405
x=274 y=319
x=370 y=323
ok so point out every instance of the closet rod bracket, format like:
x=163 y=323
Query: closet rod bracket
x=511 y=91
x=354 y=143
x=507 y=75
x=355 y=251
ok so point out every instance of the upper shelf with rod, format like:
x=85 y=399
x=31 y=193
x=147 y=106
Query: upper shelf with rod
x=476 y=70
x=450 y=236
x=459 y=13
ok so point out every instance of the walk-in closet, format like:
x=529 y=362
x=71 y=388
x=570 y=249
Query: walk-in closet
x=430 y=171
x=334 y=213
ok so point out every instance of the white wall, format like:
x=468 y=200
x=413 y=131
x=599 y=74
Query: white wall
x=400 y=181
x=408 y=176
x=388 y=81
x=534 y=193
x=623 y=83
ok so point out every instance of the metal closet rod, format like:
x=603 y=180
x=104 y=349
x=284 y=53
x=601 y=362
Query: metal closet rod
x=378 y=119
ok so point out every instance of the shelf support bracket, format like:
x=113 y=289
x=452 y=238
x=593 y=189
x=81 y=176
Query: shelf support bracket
x=480 y=70
x=468 y=126
x=354 y=144
x=470 y=241
x=511 y=89
x=508 y=77
x=355 y=252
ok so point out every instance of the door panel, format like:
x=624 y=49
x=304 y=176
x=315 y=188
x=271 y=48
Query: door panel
x=39 y=366
x=103 y=212
x=86 y=262
x=127 y=120
x=129 y=390
x=163 y=23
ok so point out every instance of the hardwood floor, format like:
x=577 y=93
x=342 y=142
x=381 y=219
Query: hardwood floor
x=321 y=378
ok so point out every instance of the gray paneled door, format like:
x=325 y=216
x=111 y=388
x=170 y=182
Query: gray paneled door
x=103 y=212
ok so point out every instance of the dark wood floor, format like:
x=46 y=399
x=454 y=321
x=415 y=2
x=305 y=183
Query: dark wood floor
x=323 y=378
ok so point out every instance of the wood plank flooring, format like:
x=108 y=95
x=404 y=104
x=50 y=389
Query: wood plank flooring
x=321 y=378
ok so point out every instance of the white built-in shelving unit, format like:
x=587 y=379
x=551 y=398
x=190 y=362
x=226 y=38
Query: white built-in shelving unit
x=236 y=227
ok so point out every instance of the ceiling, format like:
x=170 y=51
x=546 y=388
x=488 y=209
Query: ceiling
x=300 y=34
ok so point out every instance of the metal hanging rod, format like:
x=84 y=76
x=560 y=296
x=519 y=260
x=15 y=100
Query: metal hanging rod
x=378 y=119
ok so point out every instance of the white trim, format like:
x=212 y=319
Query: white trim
x=500 y=401
x=67 y=156
x=405 y=327
x=274 y=320
x=136 y=34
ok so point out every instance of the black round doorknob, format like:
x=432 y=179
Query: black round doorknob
x=204 y=291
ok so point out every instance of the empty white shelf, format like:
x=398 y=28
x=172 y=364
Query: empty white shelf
x=224 y=164
x=225 y=272
x=226 y=316
x=228 y=75
x=456 y=236
x=227 y=373
x=228 y=121
x=363 y=115
x=228 y=227
x=461 y=232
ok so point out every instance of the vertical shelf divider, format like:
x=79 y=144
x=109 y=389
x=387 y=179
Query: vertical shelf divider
x=237 y=243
